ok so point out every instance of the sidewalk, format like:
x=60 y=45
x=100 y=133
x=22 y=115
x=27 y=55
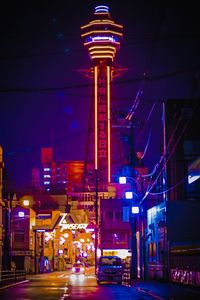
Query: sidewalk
x=167 y=291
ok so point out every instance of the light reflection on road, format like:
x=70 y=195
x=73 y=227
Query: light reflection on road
x=77 y=277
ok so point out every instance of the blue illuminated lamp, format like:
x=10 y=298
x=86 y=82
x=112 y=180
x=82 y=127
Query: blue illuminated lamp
x=122 y=180
x=135 y=209
x=129 y=195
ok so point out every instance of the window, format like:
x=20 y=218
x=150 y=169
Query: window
x=188 y=148
x=118 y=215
x=19 y=236
x=115 y=238
x=161 y=252
x=110 y=261
x=119 y=238
x=110 y=215
x=152 y=252
x=109 y=238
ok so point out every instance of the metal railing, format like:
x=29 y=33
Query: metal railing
x=126 y=279
x=185 y=277
x=9 y=277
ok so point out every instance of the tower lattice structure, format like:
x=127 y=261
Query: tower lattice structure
x=102 y=38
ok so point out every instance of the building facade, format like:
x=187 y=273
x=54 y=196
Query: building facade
x=60 y=177
x=173 y=244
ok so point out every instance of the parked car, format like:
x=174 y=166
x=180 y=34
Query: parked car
x=78 y=268
x=109 y=268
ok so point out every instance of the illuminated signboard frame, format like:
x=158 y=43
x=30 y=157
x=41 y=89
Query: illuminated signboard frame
x=102 y=75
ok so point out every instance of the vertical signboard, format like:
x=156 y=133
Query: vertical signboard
x=102 y=121
x=125 y=213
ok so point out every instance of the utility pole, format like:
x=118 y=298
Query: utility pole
x=129 y=172
x=1 y=203
x=133 y=266
x=165 y=198
x=143 y=236
x=133 y=269
x=35 y=251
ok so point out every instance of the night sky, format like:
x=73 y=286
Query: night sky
x=45 y=99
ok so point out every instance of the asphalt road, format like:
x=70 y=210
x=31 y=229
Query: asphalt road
x=63 y=286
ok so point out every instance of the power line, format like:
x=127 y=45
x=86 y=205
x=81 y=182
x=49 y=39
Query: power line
x=168 y=154
x=57 y=141
x=134 y=80
x=169 y=189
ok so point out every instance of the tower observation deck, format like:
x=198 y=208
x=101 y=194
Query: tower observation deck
x=102 y=38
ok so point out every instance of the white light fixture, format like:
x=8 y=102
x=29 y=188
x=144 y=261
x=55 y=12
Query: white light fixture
x=26 y=202
x=135 y=210
x=122 y=180
x=21 y=214
x=129 y=195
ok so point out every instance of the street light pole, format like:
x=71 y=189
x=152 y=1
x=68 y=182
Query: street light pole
x=35 y=251
x=133 y=210
x=10 y=208
x=143 y=258
x=6 y=260
x=133 y=266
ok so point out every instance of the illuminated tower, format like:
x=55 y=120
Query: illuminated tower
x=102 y=38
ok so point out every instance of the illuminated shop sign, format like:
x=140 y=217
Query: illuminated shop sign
x=74 y=226
x=70 y=226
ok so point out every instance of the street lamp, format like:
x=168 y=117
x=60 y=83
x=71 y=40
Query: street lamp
x=26 y=202
x=140 y=197
x=133 y=211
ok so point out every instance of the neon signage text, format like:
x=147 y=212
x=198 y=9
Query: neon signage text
x=70 y=226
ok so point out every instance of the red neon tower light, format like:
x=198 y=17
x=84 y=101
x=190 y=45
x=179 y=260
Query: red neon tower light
x=102 y=37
